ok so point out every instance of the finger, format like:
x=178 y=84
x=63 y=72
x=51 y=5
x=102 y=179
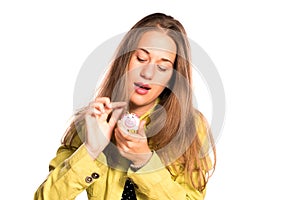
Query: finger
x=101 y=107
x=123 y=150
x=115 y=116
x=124 y=132
x=104 y=104
x=118 y=137
x=126 y=136
x=97 y=106
x=121 y=143
x=97 y=110
x=121 y=128
x=94 y=112
x=118 y=107
x=121 y=104
x=104 y=100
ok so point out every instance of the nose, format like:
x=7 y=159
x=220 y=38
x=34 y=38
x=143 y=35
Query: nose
x=147 y=71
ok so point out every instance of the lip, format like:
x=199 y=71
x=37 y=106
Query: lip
x=141 y=88
x=142 y=85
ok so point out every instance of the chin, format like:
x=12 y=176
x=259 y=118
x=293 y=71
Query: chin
x=139 y=100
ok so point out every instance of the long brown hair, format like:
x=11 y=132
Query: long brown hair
x=182 y=122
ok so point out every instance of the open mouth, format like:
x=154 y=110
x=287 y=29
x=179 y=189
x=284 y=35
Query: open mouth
x=143 y=86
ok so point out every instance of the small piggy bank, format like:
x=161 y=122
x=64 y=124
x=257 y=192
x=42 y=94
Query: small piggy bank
x=130 y=122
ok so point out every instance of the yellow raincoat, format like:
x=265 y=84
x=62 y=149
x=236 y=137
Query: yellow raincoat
x=73 y=170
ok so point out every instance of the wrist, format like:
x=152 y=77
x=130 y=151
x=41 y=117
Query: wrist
x=138 y=165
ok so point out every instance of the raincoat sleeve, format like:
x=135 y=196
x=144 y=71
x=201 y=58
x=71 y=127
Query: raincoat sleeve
x=71 y=172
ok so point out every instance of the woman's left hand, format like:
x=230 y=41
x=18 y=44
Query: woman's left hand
x=134 y=147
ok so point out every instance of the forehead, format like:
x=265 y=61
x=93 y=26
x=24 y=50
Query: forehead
x=154 y=40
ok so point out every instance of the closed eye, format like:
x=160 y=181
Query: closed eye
x=141 y=59
x=162 y=68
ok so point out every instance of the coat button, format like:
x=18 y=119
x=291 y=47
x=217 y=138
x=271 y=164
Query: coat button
x=95 y=175
x=88 y=179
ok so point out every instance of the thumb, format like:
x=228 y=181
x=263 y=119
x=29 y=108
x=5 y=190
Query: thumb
x=115 y=116
x=141 y=130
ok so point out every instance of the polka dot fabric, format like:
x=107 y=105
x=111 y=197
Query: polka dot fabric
x=128 y=192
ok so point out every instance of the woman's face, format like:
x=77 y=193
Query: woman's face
x=151 y=68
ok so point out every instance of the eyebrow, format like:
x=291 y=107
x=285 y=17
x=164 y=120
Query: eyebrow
x=163 y=59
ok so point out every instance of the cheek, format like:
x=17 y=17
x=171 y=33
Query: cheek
x=130 y=65
x=164 y=78
x=133 y=64
x=158 y=89
x=132 y=71
x=162 y=83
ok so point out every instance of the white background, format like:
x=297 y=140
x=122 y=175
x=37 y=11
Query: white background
x=254 y=45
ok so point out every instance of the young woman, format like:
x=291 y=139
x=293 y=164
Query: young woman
x=168 y=156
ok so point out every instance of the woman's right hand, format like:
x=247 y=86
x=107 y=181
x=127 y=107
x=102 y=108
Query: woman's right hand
x=99 y=130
